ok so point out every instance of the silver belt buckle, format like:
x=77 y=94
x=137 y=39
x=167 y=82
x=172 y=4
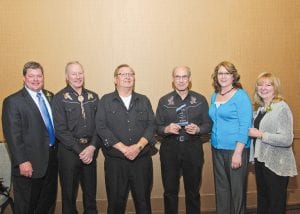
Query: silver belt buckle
x=181 y=138
x=83 y=140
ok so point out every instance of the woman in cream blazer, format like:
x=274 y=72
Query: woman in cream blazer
x=272 y=145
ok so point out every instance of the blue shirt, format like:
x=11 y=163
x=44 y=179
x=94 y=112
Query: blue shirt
x=231 y=121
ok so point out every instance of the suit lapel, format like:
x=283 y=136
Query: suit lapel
x=48 y=96
x=32 y=104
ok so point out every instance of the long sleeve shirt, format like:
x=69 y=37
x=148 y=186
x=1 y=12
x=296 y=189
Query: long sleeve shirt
x=75 y=118
x=231 y=121
x=196 y=110
x=115 y=123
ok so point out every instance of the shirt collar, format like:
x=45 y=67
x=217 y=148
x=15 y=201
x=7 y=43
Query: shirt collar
x=71 y=90
x=116 y=95
x=33 y=93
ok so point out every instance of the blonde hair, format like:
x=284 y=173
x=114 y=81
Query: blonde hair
x=72 y=63
x=275 y=82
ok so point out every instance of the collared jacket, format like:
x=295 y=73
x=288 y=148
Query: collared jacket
x=275 y=148
x=74 y=119
x=25 y=132
x=117 y=124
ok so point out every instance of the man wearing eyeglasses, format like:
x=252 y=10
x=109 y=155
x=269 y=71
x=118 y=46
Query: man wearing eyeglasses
x=125 y=123
x=181 y=119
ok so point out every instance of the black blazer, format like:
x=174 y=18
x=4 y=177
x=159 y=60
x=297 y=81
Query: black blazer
x=25 y=132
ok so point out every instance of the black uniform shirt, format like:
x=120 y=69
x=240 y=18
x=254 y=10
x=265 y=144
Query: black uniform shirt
x=196 y=110
x=74 y=119
x=117 y=124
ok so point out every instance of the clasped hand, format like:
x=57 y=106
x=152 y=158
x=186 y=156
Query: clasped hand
x=174 y=128
x=86 y=156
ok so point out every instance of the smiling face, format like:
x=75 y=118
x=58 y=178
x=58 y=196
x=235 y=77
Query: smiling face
x=34 y=79
x=265 y=89
x=181 y=78
x=225 y=79
x=124 y=78
x=75 y=76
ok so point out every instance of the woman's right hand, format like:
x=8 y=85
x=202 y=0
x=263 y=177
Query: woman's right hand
x=254 y=132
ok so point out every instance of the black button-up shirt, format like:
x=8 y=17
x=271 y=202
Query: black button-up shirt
x=71 y=122
x=196 y=110
x=115 y=123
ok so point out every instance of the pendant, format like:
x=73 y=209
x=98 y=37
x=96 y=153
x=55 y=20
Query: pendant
x=80 y=98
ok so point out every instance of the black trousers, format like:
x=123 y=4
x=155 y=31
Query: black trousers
x=121 y=176
x=37 y=195
x=72 y=172
x=271 y=190
x=230 y=184
x=186 y=159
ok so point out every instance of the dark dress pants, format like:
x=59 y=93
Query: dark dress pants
x=72 y=172
x=230 y=184
x=37 y=195
x=121 y=176
x=186 y=159
x=271 y=190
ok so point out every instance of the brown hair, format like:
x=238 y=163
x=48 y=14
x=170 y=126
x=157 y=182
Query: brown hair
x=122 y=66
x=32 y=65
x=232 y=70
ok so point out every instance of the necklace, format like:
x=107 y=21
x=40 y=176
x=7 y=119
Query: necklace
x=268 y=107
x=226 y=92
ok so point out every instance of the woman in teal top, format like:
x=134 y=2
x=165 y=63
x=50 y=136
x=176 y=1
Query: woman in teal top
x=231 y=113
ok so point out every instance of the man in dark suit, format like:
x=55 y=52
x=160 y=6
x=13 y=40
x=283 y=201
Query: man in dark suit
x=28 y=130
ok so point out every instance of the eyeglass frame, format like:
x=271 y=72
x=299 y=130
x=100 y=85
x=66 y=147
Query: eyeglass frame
x=123 y=75
x=184 y=77
x=226 y=74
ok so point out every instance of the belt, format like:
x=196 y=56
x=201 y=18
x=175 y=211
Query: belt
x=52 y=147
x=82 y=140
x=182 y=138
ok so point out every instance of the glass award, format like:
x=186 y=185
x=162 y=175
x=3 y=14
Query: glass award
x=182 y=116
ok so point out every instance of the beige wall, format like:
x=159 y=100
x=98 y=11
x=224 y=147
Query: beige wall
x=153 y=37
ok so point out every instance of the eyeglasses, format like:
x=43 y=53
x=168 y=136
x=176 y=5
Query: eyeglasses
x=226 y=74
x=126 y=74
x=184 y=77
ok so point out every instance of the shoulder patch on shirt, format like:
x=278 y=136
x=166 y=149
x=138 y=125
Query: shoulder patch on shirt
x=171 y=101
x=193 y=100
x=67 y=96
x=90 y=96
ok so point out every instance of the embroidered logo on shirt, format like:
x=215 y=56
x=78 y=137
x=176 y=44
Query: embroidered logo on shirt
x=171 y=101
x=67 y=96
x=193 y=100
x=90 y=96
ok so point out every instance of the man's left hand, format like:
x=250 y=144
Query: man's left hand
x=192 y=128
x=132 y=152
x=86 y=156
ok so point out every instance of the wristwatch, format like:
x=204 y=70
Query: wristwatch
x=140 y=147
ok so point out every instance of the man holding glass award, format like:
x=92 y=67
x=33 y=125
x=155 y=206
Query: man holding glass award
x=181 y=119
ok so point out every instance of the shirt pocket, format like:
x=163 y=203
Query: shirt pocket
x=142 y=114
x=92 y=108
x=73 y=113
